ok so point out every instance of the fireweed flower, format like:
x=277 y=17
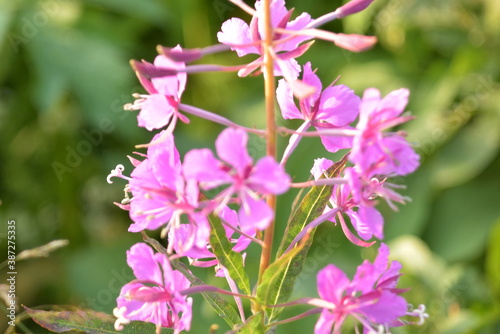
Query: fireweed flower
x=333 y=108
x=160 y=106
x=371 y=297
x=161 y=195
x=356 y=197
x=155 y=296
x=382 y=153
x=245 y=180
x=247 y=39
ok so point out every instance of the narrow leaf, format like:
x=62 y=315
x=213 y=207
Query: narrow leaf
x=225 y=310
x=282 y=277
x=87 y=321
x=275 y=274
x=230 y=259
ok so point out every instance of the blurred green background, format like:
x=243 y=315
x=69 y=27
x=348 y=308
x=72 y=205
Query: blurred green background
x=64 y=77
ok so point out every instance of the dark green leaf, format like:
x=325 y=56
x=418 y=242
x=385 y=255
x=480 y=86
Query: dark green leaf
x=86 y=321
x=230 y=259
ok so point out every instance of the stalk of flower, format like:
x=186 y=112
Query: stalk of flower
x=164 y=190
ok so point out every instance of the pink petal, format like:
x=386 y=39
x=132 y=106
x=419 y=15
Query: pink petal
x=200 y=164
x=268 y=177
x=180 y=236
x=334 y=143
x=231 y=147
x=373 y=220
x=360 y=225
x=325 y=323
x=155 y=112
x=392 y=105
x=320 y=166
x=398 y=155
x=287 y=68
x=254 y=214
x=164 y=160
x=311 y=79
x=298 y=24
x=388 y=308
x=141 y=259
x=142 y=204
x=287 y=105
x=332 y=283
x=339 y=106
x=236 y=32
x=170 y=85
x=369 y=103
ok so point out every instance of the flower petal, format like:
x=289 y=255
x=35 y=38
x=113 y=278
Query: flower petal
x=298 y=24
x=268 y=177
x=332 y=283
x=236 y=32
x=231 y=147
x=339 y=106
x=164 y=160
x=200 y=164
x=155 y=112
x=254 y=214
x=145 y=266
x=284 y=95
x=170 y=85
x=320 y=166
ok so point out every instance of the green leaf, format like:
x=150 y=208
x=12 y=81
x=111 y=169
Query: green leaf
x=230 y=259
x=219 y=304
x=279 y=279
x=275 y=275
x=87 y=321
x=253 y=325
x=311 y=207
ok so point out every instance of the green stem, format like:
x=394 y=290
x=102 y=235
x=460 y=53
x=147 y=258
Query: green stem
x=269 y=88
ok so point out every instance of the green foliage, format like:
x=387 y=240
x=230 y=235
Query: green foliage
x=228 y=258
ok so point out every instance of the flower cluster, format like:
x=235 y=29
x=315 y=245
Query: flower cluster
x=202 y=198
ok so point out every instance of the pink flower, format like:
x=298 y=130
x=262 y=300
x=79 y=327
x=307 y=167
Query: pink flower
x=245 y=180
x=247 y=39
x=161 y=195
x=333 y=108
x=363 y=216
x=155 y=296
x=357 y=198
x=161 y=105
x=371 y=297
x=381 y=153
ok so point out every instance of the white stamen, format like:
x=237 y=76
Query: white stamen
x=117 y=172
x=121 y=320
